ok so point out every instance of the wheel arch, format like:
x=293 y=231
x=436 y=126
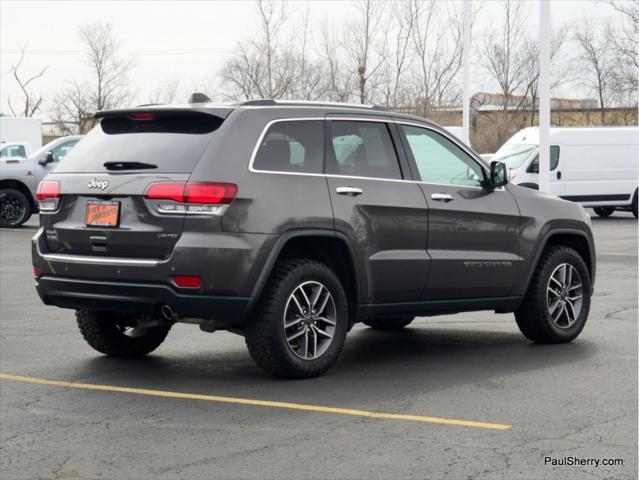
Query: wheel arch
x=569 y=237
x=327 y=246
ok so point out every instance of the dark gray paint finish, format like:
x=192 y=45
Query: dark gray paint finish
x=408 y=252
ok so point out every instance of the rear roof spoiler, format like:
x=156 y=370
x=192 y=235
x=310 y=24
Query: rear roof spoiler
x=221 y=111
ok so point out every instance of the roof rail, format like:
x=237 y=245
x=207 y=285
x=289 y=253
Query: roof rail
x=258 y=103
x=269 y=102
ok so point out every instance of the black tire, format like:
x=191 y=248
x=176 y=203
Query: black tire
x=532 y=316
x=604 y=211
x=15 y=208
x=105 y=332
x=389 y=323
x=265 y=334
x=634 y=206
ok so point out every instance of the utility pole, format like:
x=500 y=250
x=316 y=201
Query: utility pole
x=544 y=95
x=466 y=72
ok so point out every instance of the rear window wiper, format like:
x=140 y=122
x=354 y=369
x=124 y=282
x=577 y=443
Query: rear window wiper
x=128 y=165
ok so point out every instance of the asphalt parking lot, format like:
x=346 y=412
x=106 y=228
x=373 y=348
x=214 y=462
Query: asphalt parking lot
x=193 y=408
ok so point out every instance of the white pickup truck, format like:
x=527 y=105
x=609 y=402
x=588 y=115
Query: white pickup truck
x=19 y=176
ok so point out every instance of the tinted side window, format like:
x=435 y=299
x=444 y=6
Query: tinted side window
x=554 y=160
x=61 y=150
x=363 y=149
x=439 y=160
x=292 y=146
x=13 y=151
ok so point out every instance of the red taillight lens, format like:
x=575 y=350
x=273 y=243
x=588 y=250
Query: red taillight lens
x=166 y=191
x=210 y=193
x=37 y=271
x=187 y=281
x=193 y=192
x=48 y=189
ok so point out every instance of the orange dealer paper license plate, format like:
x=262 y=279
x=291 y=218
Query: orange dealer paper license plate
x=103 y=214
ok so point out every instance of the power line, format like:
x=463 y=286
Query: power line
x=175 y=52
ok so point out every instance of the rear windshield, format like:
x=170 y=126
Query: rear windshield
x=160 y=142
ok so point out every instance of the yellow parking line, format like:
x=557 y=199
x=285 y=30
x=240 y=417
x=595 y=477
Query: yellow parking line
x=259 y=403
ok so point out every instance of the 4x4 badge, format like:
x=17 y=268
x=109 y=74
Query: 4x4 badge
x=101 y=184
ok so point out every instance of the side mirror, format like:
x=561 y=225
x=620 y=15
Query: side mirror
x=498 y=174
x=48 y=158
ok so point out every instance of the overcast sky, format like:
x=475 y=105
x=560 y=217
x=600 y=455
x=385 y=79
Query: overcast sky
x=190 y=39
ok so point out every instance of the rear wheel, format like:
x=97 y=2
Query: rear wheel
x=299 y=326
x=15 y=208
x=389 y=323
x=604 y=211
x=112 y=334
x=557 y=303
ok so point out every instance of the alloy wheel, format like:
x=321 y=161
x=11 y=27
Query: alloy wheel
x=310 y=317
x=564 y=296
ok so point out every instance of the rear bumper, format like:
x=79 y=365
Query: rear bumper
x=142 y=298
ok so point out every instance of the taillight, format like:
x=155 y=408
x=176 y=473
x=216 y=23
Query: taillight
x=37 y=272
x=48 y=195
x=166 y=191
x=208 y=198
x=216 y=193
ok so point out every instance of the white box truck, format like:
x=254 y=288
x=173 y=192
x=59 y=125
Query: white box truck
x=593 y=166
x=21 y=130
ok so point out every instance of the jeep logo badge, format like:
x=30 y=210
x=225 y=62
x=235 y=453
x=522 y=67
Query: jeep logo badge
x=101 y=184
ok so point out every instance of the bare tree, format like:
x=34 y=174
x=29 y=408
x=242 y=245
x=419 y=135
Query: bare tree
x=31 y=101
x=166 y=91
x=561 y=73
x=263 y=67
x=363 y=43
x=597 y=62
x=339 y=79
x=107 y=82
x=437 y=46
x=505 y=61
x=72 y=112
x=623 y=35
x=400 y=58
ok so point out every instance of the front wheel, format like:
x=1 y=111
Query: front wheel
x=15 y=208
x=389 y=323
x=113 y=335
x=604 y=211
x=299 y=326
x=557 y=303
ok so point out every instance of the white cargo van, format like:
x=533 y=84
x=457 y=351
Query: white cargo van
x=593 y=166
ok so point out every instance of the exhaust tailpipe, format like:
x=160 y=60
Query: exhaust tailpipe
x=168 y=313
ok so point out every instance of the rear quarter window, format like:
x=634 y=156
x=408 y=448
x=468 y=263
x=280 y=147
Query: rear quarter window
x=292 y=146
x=172 y=142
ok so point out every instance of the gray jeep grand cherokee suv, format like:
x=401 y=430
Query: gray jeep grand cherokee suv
x=289 y=222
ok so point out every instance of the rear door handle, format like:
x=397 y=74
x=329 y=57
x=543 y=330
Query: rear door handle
x=442 y=197
x=350 y=191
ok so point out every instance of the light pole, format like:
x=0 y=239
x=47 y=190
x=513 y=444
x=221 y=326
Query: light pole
x=466 y=73
x=544 y=95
